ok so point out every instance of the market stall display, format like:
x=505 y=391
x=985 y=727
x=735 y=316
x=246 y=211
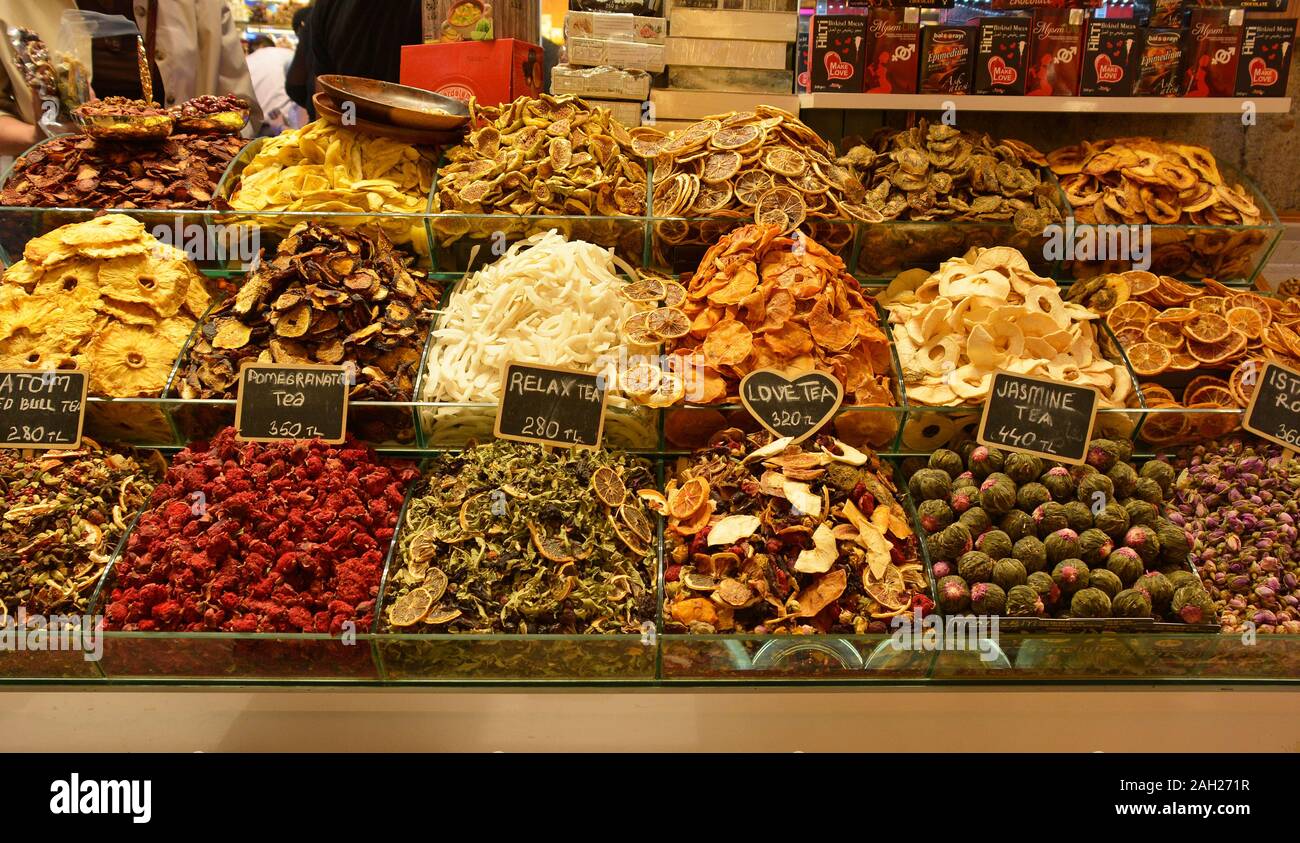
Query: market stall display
x=1209 y=221
x=352 y=176
x=545 y=156
x=512 y=538
x=983 y=190
x=549 y=301
x=765 y=536
x=1012 y=535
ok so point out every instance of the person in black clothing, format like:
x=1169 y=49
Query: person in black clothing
x=299 y=79
x=357 y=38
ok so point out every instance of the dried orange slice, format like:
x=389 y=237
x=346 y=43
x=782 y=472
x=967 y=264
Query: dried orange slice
x=1164 y=428
x=1128 y=313
x=750 y=185
x=734 y=137
x=1208 y=328
x=689 y=499
x=1213 y=395
x=668 y=323
x=637 y=329
x=1163 y=333
x=1217 y=353
x=781 y=206
x=645 y=290
x=638 y=547
x=1149 y=358
x=1209 y=304
x=553 y=548
x=1141 y=283
x=1181 y=361
x=1132 y=335
x=1154 y=394
x=1243 y=379
x=1176 y=314
x=1248 y=321
x=654 y=500
x=608 y=486
x=1255 y=302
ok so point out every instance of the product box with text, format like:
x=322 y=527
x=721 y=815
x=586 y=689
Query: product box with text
x=1055 y=53
x=947 y=58
x=1000 y=58
x=1265 y=58
x=1213 y=48
x=1159 y=71
x=893 y=50
x=1109 y=54
x=838 y=45
x=492 y=72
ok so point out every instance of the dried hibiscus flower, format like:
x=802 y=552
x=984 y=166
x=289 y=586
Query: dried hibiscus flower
x=330 y=296
x=766 y=536
x=243 y=537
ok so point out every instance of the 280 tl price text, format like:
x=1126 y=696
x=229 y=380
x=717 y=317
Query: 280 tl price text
x=24 y=433
x=544 y=428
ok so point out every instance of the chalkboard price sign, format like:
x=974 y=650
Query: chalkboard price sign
x=42 y=409
x=1274 y=410
x=279 y=401
x=1038 y=416
x=550 y=406
x=795 y=407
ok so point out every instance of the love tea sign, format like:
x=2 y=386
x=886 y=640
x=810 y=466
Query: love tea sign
x=551 y=406
x=1274 y=409
x=279 y=401
x=1039 y=416
x=42 y=409
x=791 y=407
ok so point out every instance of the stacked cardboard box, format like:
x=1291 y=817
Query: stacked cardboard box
x=722 y=57
x=609 y=59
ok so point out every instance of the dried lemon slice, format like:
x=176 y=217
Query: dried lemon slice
x=781 y=206
x=750 y=185
x=674 y=294
x=645 y=290
x=636 y=328
x=668 y=323
x=608 y=486
x=720 y=166
x=785 y=161
x=411 y=607
x=641 y=380
x=636 y=521
x=435 y=580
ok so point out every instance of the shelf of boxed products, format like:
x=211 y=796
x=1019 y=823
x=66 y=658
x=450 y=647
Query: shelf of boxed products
x=440 y=612
x=1045 y=105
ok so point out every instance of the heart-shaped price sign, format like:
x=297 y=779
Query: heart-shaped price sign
x=796 y=407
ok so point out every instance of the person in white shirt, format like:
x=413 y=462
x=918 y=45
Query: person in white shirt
x=268 y=64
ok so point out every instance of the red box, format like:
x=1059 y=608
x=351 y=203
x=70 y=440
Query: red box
x=1213 y=47
x=492 y=72
x=893 y=51
x=1055 y=53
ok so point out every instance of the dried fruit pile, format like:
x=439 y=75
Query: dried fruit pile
x=763 y=164
x=124 y=119
x=548 y=155
x=243 y=537
x=209 y=113
x=761 y=300
x=764 y=536
x=932 y=172
x=1168 y=327
x=986 y=311
x=1014 y=535
x=64 y=514
x=1138 y=181
x=328 y=168
x=105 y=295
x=330 y=295
x=78 y=171
x=514 y=538
x=1238 y=501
